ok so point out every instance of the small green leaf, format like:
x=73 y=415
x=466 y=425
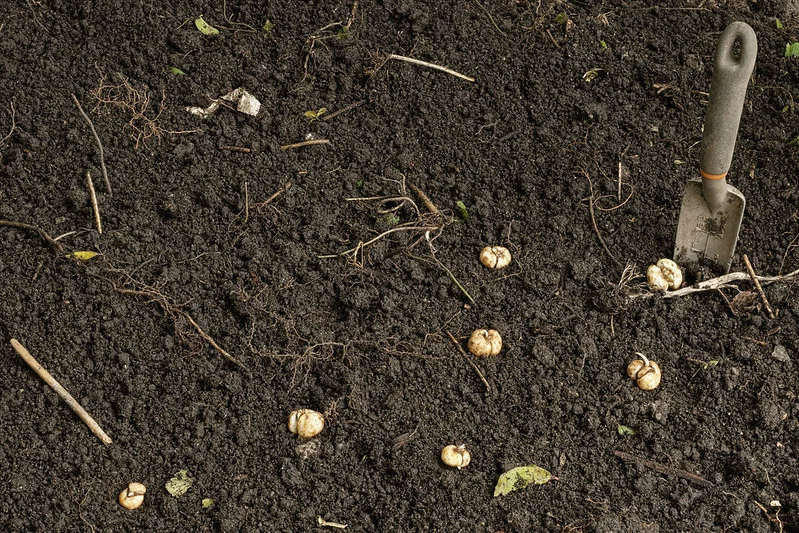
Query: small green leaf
x=603 y=45
x=779 y=24
x=207 y=503
x=794 y=142
x=268 y=27
x=204 y=27
x=389 y=220
x=592 y=74
x=786 y=108
x=315 y=115
x=562 y=18
x=176 y=71
x=679 y=162
x=178 y=485
x=624 y=431
x=519 y=478
x=792 y=50
x=462 y=210
x=82 y=256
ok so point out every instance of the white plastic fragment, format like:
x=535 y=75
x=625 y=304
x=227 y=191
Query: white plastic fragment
x=246 y=103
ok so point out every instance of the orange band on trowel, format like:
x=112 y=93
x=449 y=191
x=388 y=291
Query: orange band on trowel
x=709 y=176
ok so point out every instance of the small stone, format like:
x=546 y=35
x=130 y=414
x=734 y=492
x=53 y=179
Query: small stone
x=780 y=354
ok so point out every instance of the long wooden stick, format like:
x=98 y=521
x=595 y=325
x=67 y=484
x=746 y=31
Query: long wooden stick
x=61 y=391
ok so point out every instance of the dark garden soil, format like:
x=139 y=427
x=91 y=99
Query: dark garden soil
x=231 y=240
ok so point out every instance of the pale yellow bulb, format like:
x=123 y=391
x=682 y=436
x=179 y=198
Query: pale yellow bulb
x=456 y=456
x=306 y=423
x=485 y=342
x=133 y=496
x=495 y=256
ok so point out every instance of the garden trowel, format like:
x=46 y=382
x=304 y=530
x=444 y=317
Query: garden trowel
x=712 y=210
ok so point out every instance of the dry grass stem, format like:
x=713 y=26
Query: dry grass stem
x=43 y=234
x=431 y=65
x=721 y=282
x=664 y=469
x=239 y=149
x=13 y=124
x=99 y=143
x=312 y=142
x=61 y=391
x=468 y=360
x=95 y=207
x=759 y=288
x=152 y=294
x=343 y=110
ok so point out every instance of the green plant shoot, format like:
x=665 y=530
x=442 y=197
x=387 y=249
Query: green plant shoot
x=204 y=27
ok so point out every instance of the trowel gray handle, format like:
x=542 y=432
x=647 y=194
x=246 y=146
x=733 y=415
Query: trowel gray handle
x=731 y=73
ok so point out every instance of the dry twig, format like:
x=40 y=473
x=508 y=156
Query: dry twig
x=721 y=282
x=468 y=360
x=13 y=125
x=95 y=207
x=239 y=149
x=591 y=200
x=343 y=110
x=99 y=143
x=154 y=295
x=312 y=142
x=61 y=391
x=43 y=234
x=664 y=469
x=758 y=287
x=431 y=65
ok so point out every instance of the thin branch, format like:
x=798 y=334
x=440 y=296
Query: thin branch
x=43 y=234
x=99 y=144
x=277 y=193
x=312 y=142
x=13 y=125
x=463 y=353
x=431 y=65
x=425 y=199
x=445 y=269
x=61 y=391
x=240 y=149
x=95 y=207
x=591 y=201
x=721 y=282
x=664 y=469
x=170 y=308
x=371 y=241
x=758 y=287
x=211 y=341
x=491 y=19
x=343 y=110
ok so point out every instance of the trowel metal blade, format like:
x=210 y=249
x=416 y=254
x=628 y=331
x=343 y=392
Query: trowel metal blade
x=704 y=236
